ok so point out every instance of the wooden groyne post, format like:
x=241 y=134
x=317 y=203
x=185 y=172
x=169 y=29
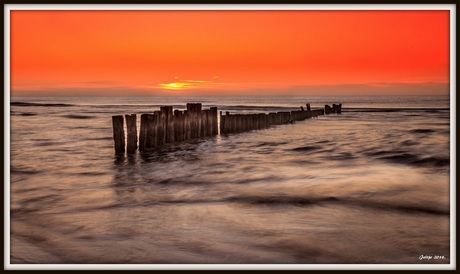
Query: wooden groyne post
x=131 y=128
x=234 y=123
x=336 y=108
x=118 y=134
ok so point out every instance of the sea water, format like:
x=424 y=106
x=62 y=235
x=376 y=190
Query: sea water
x=370 y=185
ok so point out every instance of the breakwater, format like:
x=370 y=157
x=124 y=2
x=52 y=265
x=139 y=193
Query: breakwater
x=168 y=126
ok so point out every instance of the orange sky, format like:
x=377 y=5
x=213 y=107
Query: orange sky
x=229 y=52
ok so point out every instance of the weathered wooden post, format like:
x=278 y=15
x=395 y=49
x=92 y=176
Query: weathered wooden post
x=214 y=123
x=170 y=126
x=193 y=124
x=261 y=120
x=176 y=125
x=150 y=131
x=187 y=130
x=239 y=122
x=222 y=122
x=209 y=124
x=236 y=118
x=285 y=117
x=204 y=123
x=143 y=132
x=131 y=127
x=167 y=118
x=271 y=118
x=159 y=124
x=118 y=134
x=198 y=120
x=228 y=122
x=182 y=125
x=235 y=122
x=247 y=122
x=250 y=122
x=192 y=118
x=253 y=121
x=194 y=111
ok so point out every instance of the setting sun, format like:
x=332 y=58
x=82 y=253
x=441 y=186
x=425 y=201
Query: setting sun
x=173 y=86
x=185 y=84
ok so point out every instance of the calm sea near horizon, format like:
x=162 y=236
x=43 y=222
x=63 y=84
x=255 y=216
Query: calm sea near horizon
x=368 y=186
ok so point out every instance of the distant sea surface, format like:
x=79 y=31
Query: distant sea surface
x=368 y=186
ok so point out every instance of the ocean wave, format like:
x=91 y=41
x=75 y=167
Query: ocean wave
x=307 y=148
x=100 y=138
x=422 y=130
x=414 y=160
x=298 y=201
x=403 y=158
x=270 y=144
x=409 y=143
x=26 y=104
x=90 y=173
x=173 y=181
x=433 y=161
x=271 y=201
x=20 y=170
x=384 y=152
x=310 y=201
x=429 y=110
x=39 y=199
x=279 y=200
x=74 y=116
x=340 y=156
x=24 y=113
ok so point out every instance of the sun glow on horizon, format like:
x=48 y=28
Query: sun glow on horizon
x=173 y=86
x=186 y=84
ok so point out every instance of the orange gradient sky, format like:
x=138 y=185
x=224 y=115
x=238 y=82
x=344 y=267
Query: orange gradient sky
x=229 y=52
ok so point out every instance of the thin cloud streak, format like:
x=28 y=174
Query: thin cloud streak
x=307 y=90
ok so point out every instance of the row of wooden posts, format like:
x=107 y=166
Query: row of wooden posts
x=234 y=123
x=335 y=108
x=163 y=127
x=170 y=126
